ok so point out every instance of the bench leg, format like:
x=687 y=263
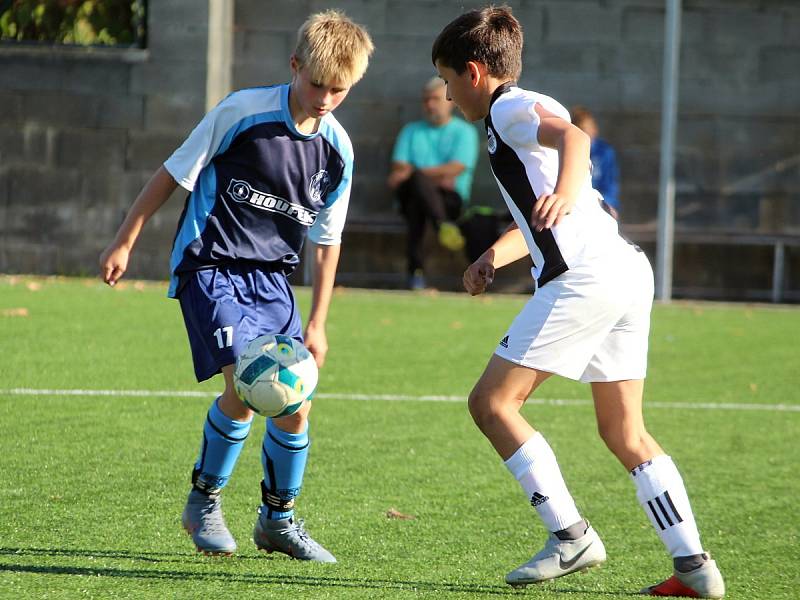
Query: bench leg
x=778 y=266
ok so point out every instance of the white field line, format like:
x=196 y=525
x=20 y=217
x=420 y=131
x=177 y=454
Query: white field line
x=392 y=398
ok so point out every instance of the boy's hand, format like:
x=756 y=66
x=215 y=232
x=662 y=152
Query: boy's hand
x=549 y=209
x=317 y=342
x=478 y=276
x=113 y=263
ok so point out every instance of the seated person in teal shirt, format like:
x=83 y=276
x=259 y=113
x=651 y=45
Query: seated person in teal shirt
x=432 y=167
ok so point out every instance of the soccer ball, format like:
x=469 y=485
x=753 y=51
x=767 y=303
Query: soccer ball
x=274 y=375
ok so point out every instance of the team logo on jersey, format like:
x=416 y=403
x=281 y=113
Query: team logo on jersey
x=318 y=185
x=243 y=192
x=491 y=142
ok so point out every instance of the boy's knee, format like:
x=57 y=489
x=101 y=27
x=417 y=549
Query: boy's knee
x=485 y=408
x=296 y=422
x=231 y=406
x=620 y=439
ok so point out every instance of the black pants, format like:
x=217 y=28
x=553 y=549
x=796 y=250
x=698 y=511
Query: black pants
x=480 y=230
x=421 y=201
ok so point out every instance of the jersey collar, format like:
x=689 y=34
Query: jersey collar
x=501 y=89
x=287 y=116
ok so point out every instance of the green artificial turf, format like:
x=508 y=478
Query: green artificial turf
x=92 y=486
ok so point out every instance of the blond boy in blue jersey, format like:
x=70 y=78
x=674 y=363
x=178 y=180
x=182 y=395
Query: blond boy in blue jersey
x=266 y=169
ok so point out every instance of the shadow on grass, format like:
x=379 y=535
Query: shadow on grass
x=152 y=557
x=246 y=578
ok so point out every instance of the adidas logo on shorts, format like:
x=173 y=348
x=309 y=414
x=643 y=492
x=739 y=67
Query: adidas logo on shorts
x=504 y=342
x=538 y=499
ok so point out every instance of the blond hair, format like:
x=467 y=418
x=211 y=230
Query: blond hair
x=332 y=47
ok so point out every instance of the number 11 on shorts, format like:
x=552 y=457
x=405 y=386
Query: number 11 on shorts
x=224 y=336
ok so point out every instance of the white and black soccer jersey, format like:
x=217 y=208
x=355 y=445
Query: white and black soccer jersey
x=525 y=170
x=257 y=185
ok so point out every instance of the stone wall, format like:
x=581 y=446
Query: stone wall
x=739 y=95
x=81 y=131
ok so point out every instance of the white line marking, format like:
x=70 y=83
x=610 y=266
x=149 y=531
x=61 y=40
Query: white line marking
x=393 y=398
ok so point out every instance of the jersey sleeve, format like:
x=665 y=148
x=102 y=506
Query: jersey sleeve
x=329 y=224
x=518 y=122
x=202 y=144
x=402 y=146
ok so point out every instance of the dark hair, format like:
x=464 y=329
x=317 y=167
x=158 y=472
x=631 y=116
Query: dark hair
x=491 y=36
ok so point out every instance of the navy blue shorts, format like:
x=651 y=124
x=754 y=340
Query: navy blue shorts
x=226 y=307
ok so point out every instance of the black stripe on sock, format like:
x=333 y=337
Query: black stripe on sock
x=225 y=435
x=270 y=476
x=664 y=512
x=290 y=448
x=203 y=454
x=672 y=506
x=655 y=514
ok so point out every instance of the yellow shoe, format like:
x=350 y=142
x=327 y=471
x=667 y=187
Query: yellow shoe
x=450 y=236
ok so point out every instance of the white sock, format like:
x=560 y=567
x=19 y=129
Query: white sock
x=534 y=466
x=660 y=490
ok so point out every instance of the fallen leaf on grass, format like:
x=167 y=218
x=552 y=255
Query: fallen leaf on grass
x=393 y=513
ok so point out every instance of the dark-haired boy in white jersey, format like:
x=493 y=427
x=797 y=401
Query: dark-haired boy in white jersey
x=588 y=319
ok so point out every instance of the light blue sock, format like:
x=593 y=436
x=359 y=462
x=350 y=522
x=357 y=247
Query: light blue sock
x=223 y=439
x=283 y=456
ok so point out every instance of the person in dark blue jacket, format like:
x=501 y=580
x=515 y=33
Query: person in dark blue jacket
x=605 y=173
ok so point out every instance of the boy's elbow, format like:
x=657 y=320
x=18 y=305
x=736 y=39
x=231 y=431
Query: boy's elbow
x=579 y=136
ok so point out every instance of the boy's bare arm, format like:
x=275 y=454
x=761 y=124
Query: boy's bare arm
x=573 y=166
x=508 y=248
x=325 y=260
x=114 y=259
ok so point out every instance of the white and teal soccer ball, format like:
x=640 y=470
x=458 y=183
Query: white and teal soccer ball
x=274 y=375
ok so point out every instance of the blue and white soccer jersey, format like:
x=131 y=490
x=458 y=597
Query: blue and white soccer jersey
x=590 y=316
x=257 y=188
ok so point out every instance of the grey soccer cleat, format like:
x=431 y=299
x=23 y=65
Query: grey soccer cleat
x=290 y=537
x=559 y=558
x=703 y=582
x=202 y=519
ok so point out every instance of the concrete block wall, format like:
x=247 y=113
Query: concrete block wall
x=739 y=97
x=82 y=130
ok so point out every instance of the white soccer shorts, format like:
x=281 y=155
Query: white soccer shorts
x=587 y=327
